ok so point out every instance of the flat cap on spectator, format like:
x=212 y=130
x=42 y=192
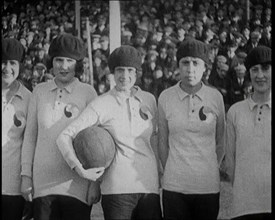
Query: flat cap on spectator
x=237 y=34
x=67 y=45
x=221 y=58
x=242 y=55
x=127 y=33
x=125 y=55
x=240 y=68
x=12 y=49
x=193 y=48
x=40 y=66
x=30 y=33
x=255 y=34
x=223 y=66
x=258 y=55
x=104 y=38
x=152 y=52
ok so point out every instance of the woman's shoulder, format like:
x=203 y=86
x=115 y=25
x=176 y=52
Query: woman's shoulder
x=104 y=98
x=169 y=92
x=43 y=87
x=24 y=89
x=146 y=95
x=212 y=91
x=87 y=88
x=238 y=107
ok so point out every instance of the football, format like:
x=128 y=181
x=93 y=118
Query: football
x=94 y=147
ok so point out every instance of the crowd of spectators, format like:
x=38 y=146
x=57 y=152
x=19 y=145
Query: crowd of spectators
x=155 y=28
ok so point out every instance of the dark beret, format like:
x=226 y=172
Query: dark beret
x=125 y=55
x=67 y=45
x=12 y=49
x=258 y=55
x=193 y=48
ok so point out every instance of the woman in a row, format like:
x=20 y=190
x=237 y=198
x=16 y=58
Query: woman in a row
x=191 y=139
x=58 y=192
x=130 y=186
x=15 y=101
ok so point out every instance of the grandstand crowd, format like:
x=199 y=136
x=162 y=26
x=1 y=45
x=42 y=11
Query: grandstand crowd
x=155 y=28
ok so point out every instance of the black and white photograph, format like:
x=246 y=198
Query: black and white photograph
x=136 y=109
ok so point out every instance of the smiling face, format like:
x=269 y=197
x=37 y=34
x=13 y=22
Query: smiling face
x=125 y=77
x=261 y=77
x=64 y=69
x=191 y=70
x=10 y=71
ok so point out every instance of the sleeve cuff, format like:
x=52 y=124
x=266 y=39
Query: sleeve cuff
x=26 y=170
x=73 y=163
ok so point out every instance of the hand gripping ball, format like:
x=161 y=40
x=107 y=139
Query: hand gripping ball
x=94 y=147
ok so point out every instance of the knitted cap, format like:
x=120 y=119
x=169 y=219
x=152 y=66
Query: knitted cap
x=125 y=55
x=67 y=45
x=193 y=48
x=258 y=55
x=12 y=49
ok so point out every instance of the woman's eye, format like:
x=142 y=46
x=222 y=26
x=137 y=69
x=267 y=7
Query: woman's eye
x=12 y=63
x=266 y=67
x=185 y=62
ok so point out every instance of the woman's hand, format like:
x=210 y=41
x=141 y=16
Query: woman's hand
x=94 y=192
x=90 y=174
x=27 y=188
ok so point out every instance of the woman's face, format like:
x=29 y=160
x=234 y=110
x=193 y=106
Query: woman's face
x=10 y=71
x=191 y=70
x=64 y=69
x=261 y=77
x=125 y=77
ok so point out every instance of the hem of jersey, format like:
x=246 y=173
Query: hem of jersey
x=249 y=212
x=12 y=193
x=39 y=195
x=191 y=191
x=110 y=192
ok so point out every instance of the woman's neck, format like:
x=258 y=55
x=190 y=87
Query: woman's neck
x=191 y=89
x=261 y=97
x=62 y=85
x=127 y=92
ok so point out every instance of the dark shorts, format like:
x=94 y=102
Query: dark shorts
x=190 y=206
x=136 y=206
x=12 y=207
x=60 y=207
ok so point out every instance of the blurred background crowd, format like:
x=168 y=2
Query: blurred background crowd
x=155 y=28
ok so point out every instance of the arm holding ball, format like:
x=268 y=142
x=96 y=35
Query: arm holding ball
x=64 y=142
